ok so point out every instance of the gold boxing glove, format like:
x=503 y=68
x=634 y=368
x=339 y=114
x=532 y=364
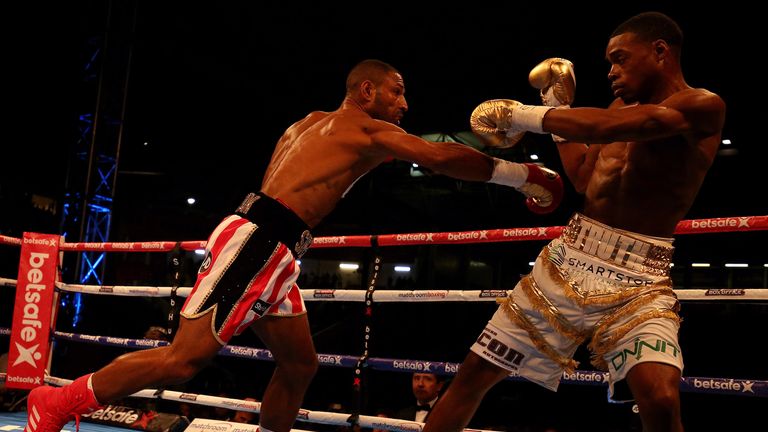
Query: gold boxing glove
x=502 y=123
x=556 y=80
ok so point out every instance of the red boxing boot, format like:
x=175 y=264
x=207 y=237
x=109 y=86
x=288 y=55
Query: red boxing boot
x=50 y=408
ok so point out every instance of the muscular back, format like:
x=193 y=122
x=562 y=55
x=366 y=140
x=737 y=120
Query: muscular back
x=647 y=186
x=318 y=158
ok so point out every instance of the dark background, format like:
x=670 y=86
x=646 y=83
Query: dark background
x=213 y=86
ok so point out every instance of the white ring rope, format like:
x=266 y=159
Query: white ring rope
x=392 y=296
x=316 y=417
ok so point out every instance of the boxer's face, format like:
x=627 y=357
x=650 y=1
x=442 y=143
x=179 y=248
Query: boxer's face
x=633 y=65
x=389 y=103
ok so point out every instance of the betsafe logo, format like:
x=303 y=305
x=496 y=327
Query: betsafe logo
x=722 y=223
x=27 y=355
x=31 y=323
x=39 y=241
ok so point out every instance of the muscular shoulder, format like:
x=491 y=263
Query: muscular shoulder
x=695 y=98
x=311 y=118
x=374 y=126
x=701 y=107
x=303 y=124
x=365 y=124
x=316 y=115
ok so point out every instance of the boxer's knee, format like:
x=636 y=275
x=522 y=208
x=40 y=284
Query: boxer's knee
x=306 y=368
x=181 y=367
x=662 y=400
x=301 y=369
x=659 y=409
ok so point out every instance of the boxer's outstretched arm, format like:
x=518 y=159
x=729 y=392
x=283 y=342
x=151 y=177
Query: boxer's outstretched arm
x=689 y=112
x=542 y=187
x=452 y=159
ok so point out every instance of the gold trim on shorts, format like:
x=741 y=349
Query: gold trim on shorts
x=550 y=312
x=599 y=349
x=514 y=313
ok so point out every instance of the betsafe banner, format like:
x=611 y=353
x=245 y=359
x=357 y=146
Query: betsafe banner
x=33 y=311
x=136 y=418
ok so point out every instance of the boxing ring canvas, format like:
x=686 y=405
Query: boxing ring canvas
x=11 y=422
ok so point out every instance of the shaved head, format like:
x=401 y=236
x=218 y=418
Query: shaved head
x=368 y=70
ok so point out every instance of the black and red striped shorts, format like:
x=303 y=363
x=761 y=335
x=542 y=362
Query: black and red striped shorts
x=248 y=271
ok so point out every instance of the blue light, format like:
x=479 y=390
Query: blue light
x=77 y=303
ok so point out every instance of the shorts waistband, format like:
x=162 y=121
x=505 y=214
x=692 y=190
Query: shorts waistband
x=623 y=248
x=282 y=222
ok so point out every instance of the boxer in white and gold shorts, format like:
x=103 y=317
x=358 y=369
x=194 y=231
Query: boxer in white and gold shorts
x=593 y=282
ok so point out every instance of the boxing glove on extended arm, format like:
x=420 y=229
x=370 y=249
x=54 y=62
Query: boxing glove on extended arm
x=556 y=80
x=503 y=122
x=542 y=186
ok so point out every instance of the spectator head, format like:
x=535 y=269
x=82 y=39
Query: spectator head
x=384 y=413
x=157 y=333
x=245 y=416
x=426 y=386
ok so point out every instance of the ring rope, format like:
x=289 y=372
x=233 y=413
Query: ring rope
x=392 y=296
x=304 y=415
x=692 y=226
x=729 y=386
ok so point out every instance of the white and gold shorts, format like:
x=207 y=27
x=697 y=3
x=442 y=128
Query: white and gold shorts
x=594 y=283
